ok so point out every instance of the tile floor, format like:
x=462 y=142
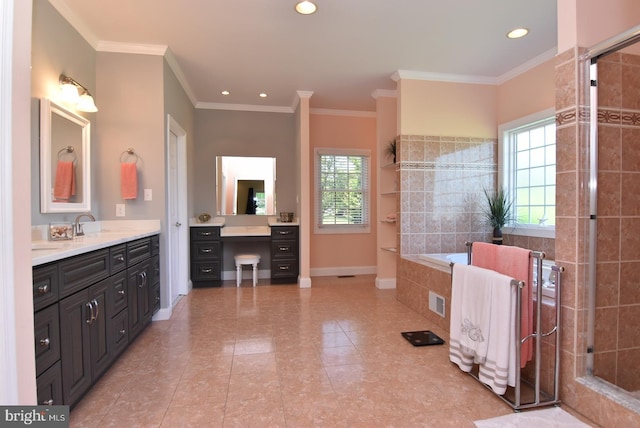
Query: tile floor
x=281 y=356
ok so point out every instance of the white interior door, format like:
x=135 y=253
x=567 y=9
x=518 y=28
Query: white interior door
x=178 y=227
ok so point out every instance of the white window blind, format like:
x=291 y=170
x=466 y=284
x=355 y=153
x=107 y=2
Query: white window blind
x=342 y=189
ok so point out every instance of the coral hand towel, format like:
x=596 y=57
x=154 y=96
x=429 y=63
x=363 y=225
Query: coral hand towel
x=516 y=263
x=65 y=186
x=128 y=180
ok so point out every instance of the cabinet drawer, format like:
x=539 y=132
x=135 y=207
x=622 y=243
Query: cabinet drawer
x=119 y=332
x=284 y=269
x=49 y=386
x=45 y=286
x=79 y=272
x=206 y=271
x=284 y=248
x=47 y=338
x=138 y=251
x=118 y=256
x=205 y=251
x=117 y=294
x=205 y=233
x=287 y=232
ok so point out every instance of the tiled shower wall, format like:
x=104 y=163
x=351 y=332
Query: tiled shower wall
x=572 y=242
x=441 y=192
x=617 y=340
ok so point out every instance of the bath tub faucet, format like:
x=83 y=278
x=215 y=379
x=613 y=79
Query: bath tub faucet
x=77 y=226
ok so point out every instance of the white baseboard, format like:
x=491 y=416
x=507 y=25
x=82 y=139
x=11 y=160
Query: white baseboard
x=348 y=270
x=385 y=283
x=304 y=282
x=163 y=314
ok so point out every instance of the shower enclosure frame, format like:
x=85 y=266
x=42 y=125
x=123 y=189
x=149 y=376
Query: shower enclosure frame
x=590 y=61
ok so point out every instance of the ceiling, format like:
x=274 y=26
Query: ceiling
x=343 y=54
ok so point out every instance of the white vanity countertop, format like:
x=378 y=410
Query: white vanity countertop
x=98 y=235
x=215 y=221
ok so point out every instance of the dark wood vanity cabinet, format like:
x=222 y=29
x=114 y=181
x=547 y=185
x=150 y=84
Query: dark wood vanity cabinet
x=285 y=250
x=206 y=256
x=103 y=299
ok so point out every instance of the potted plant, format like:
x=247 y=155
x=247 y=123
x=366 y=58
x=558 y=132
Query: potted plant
x=391 y=150
x=497 y=212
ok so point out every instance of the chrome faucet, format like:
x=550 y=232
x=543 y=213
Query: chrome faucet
x=77 y=226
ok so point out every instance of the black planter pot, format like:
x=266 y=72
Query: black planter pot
x=497 y=236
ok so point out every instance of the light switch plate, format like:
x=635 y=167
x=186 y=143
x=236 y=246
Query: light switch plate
x=119 y=210
x=148 y=194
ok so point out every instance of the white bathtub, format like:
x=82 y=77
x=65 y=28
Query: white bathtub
x=442 y=261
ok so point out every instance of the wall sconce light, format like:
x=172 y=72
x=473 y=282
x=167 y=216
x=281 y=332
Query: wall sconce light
x=72 y=92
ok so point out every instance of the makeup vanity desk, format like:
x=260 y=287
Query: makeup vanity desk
x=278 y=244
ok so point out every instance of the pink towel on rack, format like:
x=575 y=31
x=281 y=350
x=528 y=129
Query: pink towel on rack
x=128 y=180
x=515 y=262
x=65 y=185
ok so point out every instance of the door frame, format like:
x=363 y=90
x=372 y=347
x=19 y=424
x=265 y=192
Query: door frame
x=176 y=259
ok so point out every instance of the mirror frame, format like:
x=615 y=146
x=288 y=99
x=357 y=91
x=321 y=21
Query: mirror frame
x=47 y=109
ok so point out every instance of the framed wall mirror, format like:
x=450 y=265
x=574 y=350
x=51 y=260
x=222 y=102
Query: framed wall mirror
x=245 y=185
x=65 y=176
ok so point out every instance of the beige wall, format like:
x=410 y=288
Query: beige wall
x=527 y=93
x=344 y=250
x=447 y=109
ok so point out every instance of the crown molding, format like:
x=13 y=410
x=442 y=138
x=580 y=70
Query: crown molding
x=298 y=96
x=243 y=107
x=67 y=13
x=177 y=71
x=349 y=113
x=522 y=68
x=442 y=77
x=131 y=48
x=382 y=93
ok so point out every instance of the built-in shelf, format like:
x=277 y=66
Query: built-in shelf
x=390 y=249
x=387 y=221
x=389 y=165
x=391 y=193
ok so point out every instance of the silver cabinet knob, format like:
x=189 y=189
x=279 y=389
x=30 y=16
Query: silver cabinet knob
x=45 y=341
x=48 y=402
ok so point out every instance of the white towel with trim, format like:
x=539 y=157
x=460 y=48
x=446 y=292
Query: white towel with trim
x=482 y=328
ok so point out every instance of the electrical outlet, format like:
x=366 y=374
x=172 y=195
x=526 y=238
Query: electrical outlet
x=119 y=210
x=148 y=194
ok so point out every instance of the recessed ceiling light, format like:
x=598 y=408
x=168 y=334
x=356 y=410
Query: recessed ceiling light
x=517 y=33
x=263 y=95
x=306 y=7
x=225 y=92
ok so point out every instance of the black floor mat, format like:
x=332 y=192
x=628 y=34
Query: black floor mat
x=422 y=338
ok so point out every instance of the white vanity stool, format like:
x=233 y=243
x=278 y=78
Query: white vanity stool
x=247 y=259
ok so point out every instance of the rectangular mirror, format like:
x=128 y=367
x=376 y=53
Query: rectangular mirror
x=65 y=178
x=245 y=185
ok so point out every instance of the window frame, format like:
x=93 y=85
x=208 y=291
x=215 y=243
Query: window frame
x=342 y=228
x=505 y=168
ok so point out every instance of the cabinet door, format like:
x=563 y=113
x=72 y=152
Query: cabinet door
x=99 y=333
x=75 y=349
x=49 y=386
x=138 y=283
x=119 y=333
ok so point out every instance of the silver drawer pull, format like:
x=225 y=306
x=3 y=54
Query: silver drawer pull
x=283 y=248
x=121 y=292
x=283 y=267
x=44 y=289
x=206 y=270
x=205 y=233
x=119 y=258
x=206 y=250
x=48 y=402
x=123 y=331
x=45 y=341
x=282 y=232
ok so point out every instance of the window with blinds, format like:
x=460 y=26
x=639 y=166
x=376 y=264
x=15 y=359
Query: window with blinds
x=342 y=191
